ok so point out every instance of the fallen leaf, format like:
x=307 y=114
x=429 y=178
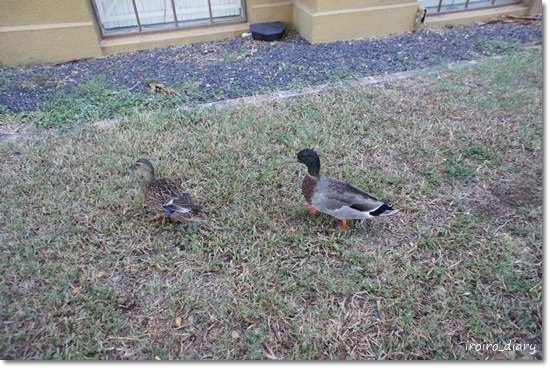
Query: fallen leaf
x=178 y=321
x=511 y=19
x=100 y=274
x=235 y=335
x=524 y=17
x=170 y=91
x=154 y=86
x=76 y=290
x=127 y=302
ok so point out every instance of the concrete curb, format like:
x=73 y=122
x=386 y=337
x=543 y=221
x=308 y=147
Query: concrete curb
x=331 y=86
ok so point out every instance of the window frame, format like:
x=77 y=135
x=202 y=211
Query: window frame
x=438 y=11
x=177 y=25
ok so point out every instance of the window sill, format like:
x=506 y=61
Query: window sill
x=472 y=16
x=144 y=41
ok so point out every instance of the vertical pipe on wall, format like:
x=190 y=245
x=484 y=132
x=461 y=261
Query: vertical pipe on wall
x=210 y=12
x=174 y=11
x=137 y=15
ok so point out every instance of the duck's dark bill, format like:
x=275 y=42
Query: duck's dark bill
x=133 y=167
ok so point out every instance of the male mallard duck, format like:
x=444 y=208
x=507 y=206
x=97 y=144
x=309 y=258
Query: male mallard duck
x=165 y=196
x=335 y=197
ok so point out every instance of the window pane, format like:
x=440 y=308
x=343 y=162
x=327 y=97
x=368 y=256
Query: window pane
x=454 y=5
x=116 y=14
x=154 y=14
x=485 y=3
x=191 y=11
x=226 y=10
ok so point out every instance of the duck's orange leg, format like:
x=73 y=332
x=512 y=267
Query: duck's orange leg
x=344 y=224
x=311 y=208
x=152 y=218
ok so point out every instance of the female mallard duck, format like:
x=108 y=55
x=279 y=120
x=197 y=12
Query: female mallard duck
x=335 y=197
x=165 y=196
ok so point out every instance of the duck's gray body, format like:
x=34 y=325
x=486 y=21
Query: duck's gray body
x=337 y=198
x=345 y=201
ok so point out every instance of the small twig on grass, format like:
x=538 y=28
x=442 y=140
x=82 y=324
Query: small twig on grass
x=500 y=227
x=135 y=85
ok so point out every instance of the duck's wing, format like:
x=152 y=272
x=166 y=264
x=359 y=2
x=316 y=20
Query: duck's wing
x=182 y=204
x=335 y=194
x=175 y=198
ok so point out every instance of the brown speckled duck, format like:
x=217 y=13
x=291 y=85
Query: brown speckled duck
x=166 y=197
x=335 y=197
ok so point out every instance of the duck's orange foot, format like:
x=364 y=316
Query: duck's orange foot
x=152 y=218
x=311 y=208
x=344 y=225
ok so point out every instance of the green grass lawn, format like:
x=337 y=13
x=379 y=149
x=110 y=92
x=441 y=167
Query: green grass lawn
x=85 y=276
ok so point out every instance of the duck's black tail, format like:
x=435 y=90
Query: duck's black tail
x=384 y=210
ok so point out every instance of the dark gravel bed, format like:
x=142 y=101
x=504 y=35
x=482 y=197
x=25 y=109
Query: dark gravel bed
x=238 y=67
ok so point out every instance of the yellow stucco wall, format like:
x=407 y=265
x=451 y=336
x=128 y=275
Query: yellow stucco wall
x=45 y=44
x=34 y=31
x=261 y=11
x=28 y=12
x=535 y=6
x=321 y=21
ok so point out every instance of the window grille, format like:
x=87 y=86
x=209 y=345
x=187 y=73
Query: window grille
x=133 y=16
x=441 y=6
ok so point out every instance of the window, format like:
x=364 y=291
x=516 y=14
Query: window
x=440 y=6
x=132 y=16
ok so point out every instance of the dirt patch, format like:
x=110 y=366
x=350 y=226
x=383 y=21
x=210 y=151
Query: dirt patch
x=4 y=138
x=523 y=187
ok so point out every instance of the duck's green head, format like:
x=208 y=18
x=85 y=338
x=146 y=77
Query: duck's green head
x=310 y=158
x=144 y=165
